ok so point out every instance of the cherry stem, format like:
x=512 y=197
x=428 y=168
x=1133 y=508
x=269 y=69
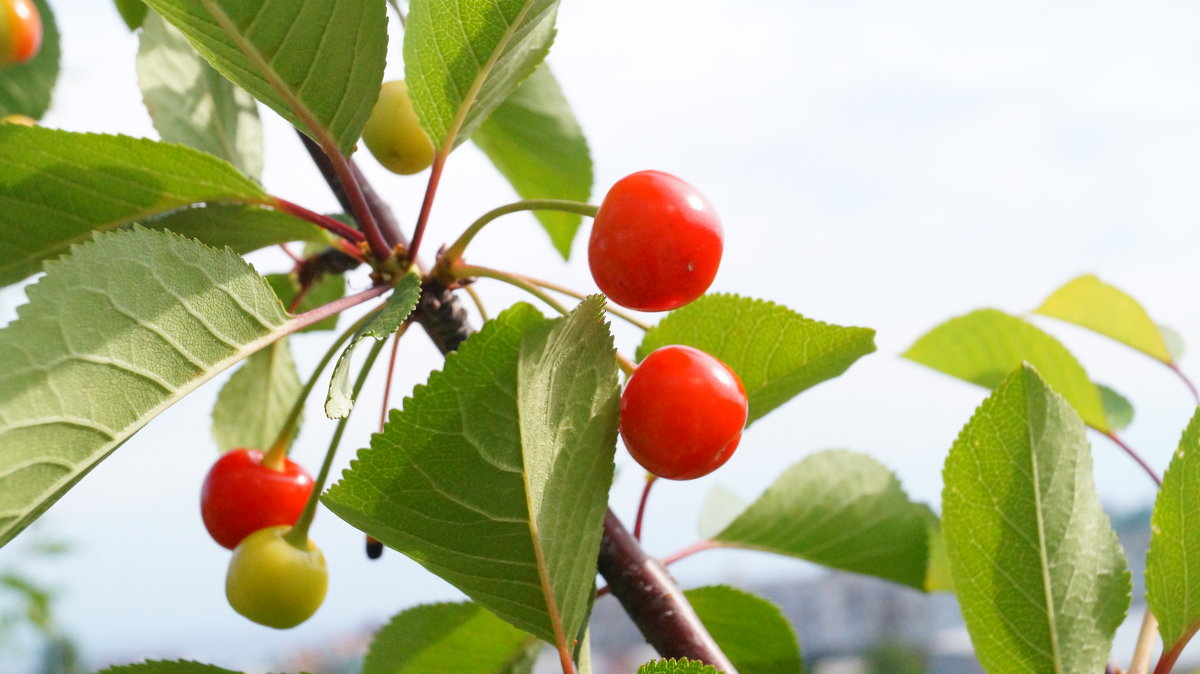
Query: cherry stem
x=462 y=271
x=456 y=249
x=323 y=221
x=1112 y=435
x=1187 y=382
x=387 y=385
x=435 y=176
x=651 y=478
x=274 y=457
x=295 y=258
x=478 y=301
x=620 y=313
x=399 y=12
x=298 y=534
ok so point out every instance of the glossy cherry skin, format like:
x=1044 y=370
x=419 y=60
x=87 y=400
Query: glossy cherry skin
x=241 y=496
x=274 y=583
x=656 y=242
x=682 y=413
x=20 y=31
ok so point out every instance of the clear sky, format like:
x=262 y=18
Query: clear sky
x=877 y=164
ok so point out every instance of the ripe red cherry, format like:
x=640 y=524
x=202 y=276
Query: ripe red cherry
x=656 y=242
x=20 y=31
x=682 y=413
x=241 y=495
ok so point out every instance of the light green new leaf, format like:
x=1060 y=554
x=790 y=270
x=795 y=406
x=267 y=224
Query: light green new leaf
x=751 y=631
x=1117 y=407
x=984 y=346
x=1091 y=303
x=680 y=666
x=340 y=399
x=326 y=289
x=841 y=509
x=495 y=473
x=115 y=333
x=463 y=58
x=721 y=507
x=133 y=12
x=318 y=63
x=1037 y=568
x=775 y=351
x=462 y=638
x=167 y=667
x=1173 y=561
x=242 y=228
x=25 y=89
x=535 y=141
x=192 y=104
x=255 y=402
x=57 y=188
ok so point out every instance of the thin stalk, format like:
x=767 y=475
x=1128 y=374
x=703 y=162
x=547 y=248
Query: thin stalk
x=295 y=258
x=478 y=301
x=608 y=306
x=466 y=271
x=690 y=550
x=274 y=457
x=298 y=534
x=358 y=203
x=323 y=221
x=1187 y=382
x=435 y=177
x=1167 y=662
x=400 y=13
x=1112 y=435
x=387 y=385
x=456 y=249
x=641 y=511
x=1145 y=645
x=335 y=307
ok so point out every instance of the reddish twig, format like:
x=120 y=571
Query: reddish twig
x=1112 y=435
x=641 y=511
x=323 y=221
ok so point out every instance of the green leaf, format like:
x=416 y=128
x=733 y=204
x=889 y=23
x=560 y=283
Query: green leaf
x=255 y=402
x=937 y=574
x=318 y=63
x=58 y=187
x=1173 y=561
x=463 y=638
x=463 y=58
x=1037 y=568
x=536 y=143
x=751 y=631
x=192 y=104
x=841 y=509
x=1091 y=303
x=114 y=334
x=680 y=666
x=133 y=12
x=983 y=346
x=1117 y=407
x=777 y=352
x=167 y=667
x=327 y=288
x=25 y=89
x=720 y=508
x=495 y=474
x=394 y=313
x=242 y=228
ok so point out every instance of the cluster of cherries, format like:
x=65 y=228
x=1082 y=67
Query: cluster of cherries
x=655 y=245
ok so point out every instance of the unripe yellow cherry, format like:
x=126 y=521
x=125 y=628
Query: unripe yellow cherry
x=393 y=134
x=274 y=583
x=17 y=119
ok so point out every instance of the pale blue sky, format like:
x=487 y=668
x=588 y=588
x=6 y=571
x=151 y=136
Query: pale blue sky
x=875 y=163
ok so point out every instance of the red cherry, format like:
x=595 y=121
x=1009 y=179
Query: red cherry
x=20 y=31
x=682 y=413
x=656 y=242
x=241 y=495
